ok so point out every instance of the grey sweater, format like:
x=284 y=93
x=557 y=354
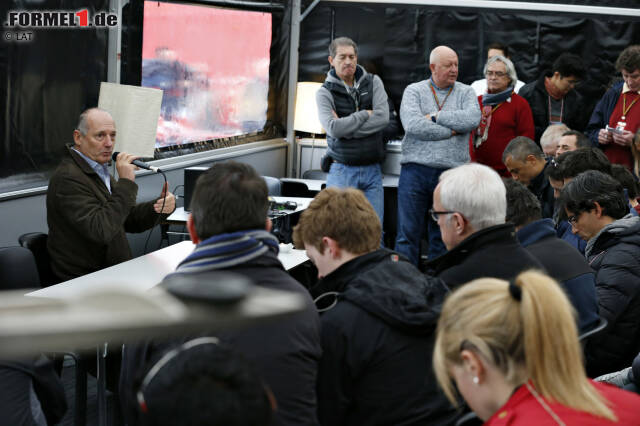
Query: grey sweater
x=358 y=124
x=429 y=143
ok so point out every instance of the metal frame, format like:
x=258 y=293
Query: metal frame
x=115 y=42
x=509 y=5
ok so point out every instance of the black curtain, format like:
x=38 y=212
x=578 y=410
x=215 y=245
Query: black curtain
x=397 y=40
x=45 y=83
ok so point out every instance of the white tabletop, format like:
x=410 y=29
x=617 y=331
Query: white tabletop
x=144 y=272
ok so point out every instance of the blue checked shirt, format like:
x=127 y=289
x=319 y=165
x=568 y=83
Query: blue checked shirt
x=101 y=169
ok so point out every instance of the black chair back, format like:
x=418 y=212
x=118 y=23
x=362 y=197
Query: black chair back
x=37 y=243
x=273 y=185
x=17 y=269
x=314 y=174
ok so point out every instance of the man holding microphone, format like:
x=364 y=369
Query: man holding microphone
x=88 y=211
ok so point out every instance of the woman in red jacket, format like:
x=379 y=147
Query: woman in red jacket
x=512 y=350
x=505 y=115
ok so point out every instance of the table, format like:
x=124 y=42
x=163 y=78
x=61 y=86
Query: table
x=180 y=216
x=110 y=320
x=144 y=272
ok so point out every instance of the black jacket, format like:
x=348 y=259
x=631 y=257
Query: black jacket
x=491 y=252
x=377 y=343
x=615 y=256
x=87 y=224
x=566 y=265
x=285 y=353
x=543 y=190
x=574 y=114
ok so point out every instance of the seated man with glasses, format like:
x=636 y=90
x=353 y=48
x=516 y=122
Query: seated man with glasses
x=598 y=211
x=470 y=205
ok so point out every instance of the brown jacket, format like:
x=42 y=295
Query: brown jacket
x=87 y=224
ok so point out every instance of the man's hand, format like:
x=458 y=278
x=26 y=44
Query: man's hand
x=370 y=112
x=124 y=167
x=604 y=137
x=334 y=114
x=624 y=139
x=166 y=198
x=428 y=117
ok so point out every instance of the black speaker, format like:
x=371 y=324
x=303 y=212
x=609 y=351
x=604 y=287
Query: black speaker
x=191 y=175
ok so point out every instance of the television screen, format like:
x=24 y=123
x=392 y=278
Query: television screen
x=213 y=66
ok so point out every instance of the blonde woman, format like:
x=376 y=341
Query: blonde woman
x=512 y=350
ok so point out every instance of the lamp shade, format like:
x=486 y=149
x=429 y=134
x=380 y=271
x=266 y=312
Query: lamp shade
x=306 y=113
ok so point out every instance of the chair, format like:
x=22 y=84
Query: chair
x=273 y=185
x=37 y=243
x=18 y=269
x=314 y=174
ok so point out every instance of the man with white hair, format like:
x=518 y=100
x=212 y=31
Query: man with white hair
x=437 y=114
x=550 y=138
x=470 y=205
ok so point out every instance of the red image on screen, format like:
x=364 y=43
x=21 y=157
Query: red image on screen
x=213 y=67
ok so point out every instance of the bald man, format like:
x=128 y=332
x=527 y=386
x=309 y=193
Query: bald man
x=88 y=211
x=437 y=114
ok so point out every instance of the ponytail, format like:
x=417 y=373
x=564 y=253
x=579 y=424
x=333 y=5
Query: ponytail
x=525 y=328
x=551 y=348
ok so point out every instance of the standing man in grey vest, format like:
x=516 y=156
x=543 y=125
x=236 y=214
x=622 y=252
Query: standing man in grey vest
x=437 y=115
x=353 y=109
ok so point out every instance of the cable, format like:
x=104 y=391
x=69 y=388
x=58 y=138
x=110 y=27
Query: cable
x=175 y=190
x=164 y=199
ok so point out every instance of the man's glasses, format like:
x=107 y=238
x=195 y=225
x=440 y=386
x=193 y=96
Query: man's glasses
x=573 y=219
x=435 y=214
x=496 y=73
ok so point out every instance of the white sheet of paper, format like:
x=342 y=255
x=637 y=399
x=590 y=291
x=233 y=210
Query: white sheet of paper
x=136 y=111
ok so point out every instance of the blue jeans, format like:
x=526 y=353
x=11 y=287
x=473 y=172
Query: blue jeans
x=415 y=198
x=368 y=179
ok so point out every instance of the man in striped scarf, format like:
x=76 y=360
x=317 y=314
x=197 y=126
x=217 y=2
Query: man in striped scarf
x=230 y=228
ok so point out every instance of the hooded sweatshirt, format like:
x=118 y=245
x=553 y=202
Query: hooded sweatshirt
x=614 y=253
x=378 y=326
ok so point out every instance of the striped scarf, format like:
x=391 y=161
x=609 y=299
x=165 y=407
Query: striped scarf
x=228 y=250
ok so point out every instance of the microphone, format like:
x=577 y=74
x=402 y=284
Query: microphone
x=138 y=163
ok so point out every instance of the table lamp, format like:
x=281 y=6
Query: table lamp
x=306 y=112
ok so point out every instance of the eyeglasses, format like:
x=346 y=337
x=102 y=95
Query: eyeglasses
x=434 y=214
x=573 y=219
x=496 y=73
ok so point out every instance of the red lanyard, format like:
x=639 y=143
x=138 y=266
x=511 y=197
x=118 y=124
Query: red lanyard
x=435 y=96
